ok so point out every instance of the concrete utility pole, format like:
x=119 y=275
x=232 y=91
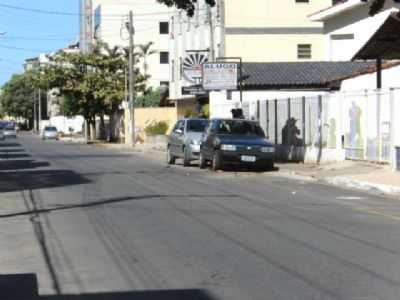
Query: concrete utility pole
x=39 y=108
x=131 y=78
x=211 y=23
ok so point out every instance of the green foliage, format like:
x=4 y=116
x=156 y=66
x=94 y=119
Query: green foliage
x=17 y=96
x=187 y=5
x=149 y=99
x=93 y=83
x=191 y=114
x=156 y=128
x=205 y=111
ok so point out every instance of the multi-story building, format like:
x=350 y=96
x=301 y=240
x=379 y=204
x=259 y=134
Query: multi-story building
x=255 y=31
x=108 y=21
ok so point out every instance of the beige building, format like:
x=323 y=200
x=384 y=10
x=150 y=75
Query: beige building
x=274 y=30
x=255 y=30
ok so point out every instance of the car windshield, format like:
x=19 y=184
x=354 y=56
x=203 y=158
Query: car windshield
x=50 y=129
x=10 y=127
x=196 y=125
x=239 y=127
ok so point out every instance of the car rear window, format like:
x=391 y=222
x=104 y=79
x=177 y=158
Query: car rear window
x=10 y=127
x=196 y=125
x=50 y=129
x=240 y=128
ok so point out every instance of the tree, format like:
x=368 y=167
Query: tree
x=377 y=5
x=144 y=52
x=92 y=84
x=151 y=98
x=187 y=5
x=17 y=96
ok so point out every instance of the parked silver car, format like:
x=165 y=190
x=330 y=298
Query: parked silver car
x=10 y=131
x=184 y=140
x=50 y=133
x=2 y=136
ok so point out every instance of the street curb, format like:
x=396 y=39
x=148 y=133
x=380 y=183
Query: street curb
x=362 y=185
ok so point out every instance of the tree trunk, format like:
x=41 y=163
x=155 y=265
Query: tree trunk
x=93 y=135
x=111 y=137
x=102 y=128
x=87 y=130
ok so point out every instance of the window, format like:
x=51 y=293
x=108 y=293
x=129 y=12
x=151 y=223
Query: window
x=164 y=27
x=304 y=51
x=164 y=57
x=302 y=1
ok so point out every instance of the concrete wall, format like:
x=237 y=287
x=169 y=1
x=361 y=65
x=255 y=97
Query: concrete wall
x=145 y=116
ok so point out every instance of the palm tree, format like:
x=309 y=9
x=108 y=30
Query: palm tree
x=144 y=52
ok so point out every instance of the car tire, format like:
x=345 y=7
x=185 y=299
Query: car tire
x=170 y=157
x=269 y=166
x=202 y=161
x=216 y=162
x=186 y=157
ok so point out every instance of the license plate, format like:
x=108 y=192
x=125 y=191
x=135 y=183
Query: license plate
x=247 y=158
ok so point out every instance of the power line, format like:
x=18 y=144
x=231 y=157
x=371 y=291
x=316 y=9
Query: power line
x=23 y=49
x=60 y=13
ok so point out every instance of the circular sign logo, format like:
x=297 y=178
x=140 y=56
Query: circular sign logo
x=192 y=67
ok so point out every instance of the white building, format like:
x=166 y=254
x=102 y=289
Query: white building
x=348 y=26
x=151 y=23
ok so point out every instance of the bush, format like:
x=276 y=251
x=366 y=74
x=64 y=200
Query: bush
x=156 y=128
x=205 y=111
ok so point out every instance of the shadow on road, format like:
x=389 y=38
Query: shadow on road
x=9 y=165
x=8 y=145
x=12 y=150
x=13 y=155
x=41 y=179
x=25 y=287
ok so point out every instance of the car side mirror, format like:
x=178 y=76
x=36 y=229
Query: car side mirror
x=178 y=131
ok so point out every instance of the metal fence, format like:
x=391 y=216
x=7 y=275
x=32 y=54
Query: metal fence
x=360 y=123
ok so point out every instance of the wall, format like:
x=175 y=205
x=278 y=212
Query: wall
x=271 y=30
x=273 y=47
x=144 y=116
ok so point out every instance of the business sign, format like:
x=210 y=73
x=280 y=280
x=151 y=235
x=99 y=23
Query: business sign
x=192 y=67
x=193 y=90
x=220 y=76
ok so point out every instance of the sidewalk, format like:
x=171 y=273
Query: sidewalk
x=360 y=175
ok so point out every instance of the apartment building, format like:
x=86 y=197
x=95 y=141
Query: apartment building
x=151 y=23
x=255 y=31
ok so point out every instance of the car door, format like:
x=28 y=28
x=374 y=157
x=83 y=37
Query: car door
x=208 y=143
x=174 y=139
x=180 y=138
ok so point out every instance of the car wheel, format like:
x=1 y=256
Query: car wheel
x=269 y=166
x=216 y=162
x=170 y=157
x=186 y=157
x=202 y=161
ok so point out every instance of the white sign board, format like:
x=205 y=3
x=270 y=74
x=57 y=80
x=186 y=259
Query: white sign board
x=220 y=76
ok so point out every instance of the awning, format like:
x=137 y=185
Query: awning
x=385 y=43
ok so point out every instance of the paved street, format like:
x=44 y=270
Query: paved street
x=90 y=220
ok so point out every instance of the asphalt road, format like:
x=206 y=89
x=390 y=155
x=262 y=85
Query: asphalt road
x=113 y=224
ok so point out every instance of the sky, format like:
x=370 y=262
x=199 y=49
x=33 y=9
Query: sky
x=26 y=34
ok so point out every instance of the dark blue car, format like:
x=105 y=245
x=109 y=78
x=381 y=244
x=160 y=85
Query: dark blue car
x=236 y=142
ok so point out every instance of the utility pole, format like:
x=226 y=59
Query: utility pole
x=34 y=111
x=131 y=78
x=210 y=22
x=39 y=109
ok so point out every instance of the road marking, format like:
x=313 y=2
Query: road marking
x=350 y=198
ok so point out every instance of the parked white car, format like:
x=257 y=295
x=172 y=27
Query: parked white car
x=50 y=133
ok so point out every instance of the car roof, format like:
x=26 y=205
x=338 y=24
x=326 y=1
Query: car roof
x=232 y=119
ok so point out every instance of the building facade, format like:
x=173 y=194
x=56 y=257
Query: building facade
x=260 y=31
x=348 y=26
x=151 y=22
